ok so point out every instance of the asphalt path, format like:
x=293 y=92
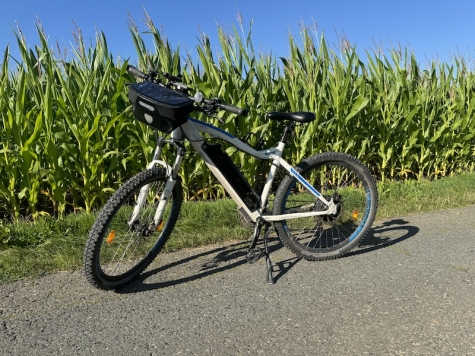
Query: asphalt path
x=409 y=289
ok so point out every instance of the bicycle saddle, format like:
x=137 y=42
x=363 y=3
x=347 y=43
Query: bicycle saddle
x=301 y=116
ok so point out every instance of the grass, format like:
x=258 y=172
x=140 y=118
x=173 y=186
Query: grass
x=33 y=249
x=402 y=198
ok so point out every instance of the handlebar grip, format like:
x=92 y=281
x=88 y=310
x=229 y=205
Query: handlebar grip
x=234 y=109
x=134 y=71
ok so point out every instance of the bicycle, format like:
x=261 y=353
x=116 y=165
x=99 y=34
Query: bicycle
x=322 y=208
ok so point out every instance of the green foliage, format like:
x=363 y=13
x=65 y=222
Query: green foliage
x=68 y=138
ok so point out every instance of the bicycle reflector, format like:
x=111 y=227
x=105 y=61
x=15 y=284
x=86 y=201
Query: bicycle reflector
x=160 y=226
x=111 y=237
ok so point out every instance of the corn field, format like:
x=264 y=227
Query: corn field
x=68 y=138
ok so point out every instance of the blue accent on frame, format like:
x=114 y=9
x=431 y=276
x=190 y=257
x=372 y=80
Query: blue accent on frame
x=302 y=180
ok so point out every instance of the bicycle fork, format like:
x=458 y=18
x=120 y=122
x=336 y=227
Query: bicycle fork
x=171 y=173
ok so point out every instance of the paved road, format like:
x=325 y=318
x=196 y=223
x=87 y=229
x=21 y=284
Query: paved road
x=408 y=290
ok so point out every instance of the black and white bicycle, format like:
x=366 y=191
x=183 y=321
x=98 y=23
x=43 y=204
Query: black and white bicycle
x=323 y=207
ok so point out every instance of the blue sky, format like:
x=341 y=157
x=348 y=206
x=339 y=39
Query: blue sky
x=432 y=29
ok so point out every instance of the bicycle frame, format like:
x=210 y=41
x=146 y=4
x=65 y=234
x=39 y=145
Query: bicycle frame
x=334 y=219
x=192 y=130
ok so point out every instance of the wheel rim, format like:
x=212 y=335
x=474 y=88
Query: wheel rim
x=323 y=234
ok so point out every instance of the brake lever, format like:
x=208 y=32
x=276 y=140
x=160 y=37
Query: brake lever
x=209 y=110
x=221 y=121
x=210 y=113
x=151 y=77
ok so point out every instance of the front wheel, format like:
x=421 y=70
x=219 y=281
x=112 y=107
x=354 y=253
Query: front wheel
x=118 y=249
x=338 y=177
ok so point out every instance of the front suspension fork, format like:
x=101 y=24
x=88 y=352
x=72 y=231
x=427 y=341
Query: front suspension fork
x=171 y=174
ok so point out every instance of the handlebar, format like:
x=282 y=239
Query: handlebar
x=137 y=73
x=211 y=105
x=234 y=109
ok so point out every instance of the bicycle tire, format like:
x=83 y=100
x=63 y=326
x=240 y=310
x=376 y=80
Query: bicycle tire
x=116 y=252
x=327 y=237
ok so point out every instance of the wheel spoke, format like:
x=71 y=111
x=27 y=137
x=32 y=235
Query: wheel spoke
x=340 y=179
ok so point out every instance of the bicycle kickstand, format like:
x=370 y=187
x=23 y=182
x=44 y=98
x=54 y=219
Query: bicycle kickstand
x=254 y=254
x=270 y=278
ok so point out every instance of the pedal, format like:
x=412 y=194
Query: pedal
x=254 y=255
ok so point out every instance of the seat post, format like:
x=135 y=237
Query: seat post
x=288 y=132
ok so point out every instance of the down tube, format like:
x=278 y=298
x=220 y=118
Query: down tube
x=192 y=129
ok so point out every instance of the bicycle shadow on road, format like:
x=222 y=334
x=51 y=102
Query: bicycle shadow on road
x=212 y=261
x=204 y=264
x=385 y=234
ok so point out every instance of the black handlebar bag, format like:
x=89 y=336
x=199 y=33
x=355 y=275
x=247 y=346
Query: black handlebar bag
x=159 y=107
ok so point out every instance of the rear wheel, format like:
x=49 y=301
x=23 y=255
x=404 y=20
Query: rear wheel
x=117 y=250
x=338 y=177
